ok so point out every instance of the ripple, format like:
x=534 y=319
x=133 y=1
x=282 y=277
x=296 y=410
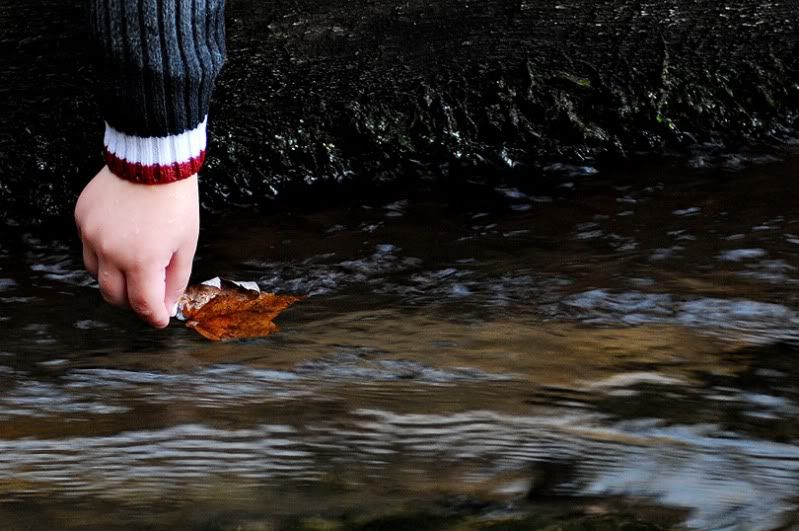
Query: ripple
x=740 y=319
x=737 y=255
x=7 y=284
x=354 y=367
x=29 y=398
x=697 y=467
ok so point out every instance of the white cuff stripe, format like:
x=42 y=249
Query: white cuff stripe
x=156 y=150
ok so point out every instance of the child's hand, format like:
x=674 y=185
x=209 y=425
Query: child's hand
x=139 y=241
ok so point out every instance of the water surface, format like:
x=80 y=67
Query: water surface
x=594 y=350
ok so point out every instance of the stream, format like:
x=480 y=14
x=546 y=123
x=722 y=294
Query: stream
x=618 y=348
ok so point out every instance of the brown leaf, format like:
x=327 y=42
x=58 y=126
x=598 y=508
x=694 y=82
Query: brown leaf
x=232 y=312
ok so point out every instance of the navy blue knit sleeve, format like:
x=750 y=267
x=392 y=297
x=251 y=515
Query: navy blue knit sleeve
x=157 y=62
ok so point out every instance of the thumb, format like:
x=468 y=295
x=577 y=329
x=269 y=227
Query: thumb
x=146 y=295
x=177 y=277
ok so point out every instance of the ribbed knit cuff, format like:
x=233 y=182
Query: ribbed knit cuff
x=156 y=63
x=155 y=160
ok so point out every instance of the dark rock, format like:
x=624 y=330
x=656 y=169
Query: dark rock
x=317 y=95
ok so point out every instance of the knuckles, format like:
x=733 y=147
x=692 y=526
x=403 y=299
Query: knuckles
x=128 y=257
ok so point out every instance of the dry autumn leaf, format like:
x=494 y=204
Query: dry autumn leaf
x=221 y=309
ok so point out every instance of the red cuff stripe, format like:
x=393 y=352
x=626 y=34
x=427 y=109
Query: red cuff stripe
x=155 y=173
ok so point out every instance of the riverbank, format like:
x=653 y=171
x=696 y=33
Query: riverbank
x=326 y=98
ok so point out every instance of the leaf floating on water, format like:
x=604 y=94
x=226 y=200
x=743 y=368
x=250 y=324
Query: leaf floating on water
x=222 y=309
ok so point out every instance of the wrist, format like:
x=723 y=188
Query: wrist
x=155 y=160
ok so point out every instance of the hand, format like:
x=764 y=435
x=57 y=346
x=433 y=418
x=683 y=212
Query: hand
x=139 y=241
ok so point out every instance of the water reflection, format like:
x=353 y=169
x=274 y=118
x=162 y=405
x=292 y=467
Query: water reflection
x=639 y=337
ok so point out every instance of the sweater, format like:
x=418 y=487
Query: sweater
x=156 y=63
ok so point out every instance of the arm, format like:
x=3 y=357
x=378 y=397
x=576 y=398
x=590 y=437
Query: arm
x=156 y=62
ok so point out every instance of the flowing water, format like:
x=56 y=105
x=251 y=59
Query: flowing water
x=607 y=351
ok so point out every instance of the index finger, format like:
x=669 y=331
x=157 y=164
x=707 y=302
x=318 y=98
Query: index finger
x=146 y=288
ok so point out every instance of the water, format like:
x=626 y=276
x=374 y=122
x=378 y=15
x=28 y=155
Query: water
x=604 y=350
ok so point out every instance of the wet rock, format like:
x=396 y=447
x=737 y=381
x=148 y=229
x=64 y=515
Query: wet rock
x=315 y=96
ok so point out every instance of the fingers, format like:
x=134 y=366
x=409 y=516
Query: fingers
x=177 y=277
x=112 y=285
x=141 y=290
x=146 y=288
x=90 y=260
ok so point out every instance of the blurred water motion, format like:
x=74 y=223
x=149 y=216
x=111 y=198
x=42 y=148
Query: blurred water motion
x=627 y=348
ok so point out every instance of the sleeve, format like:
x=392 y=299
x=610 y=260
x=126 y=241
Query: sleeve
x=156 y=62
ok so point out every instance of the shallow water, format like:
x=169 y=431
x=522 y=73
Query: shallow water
x=599 y=349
